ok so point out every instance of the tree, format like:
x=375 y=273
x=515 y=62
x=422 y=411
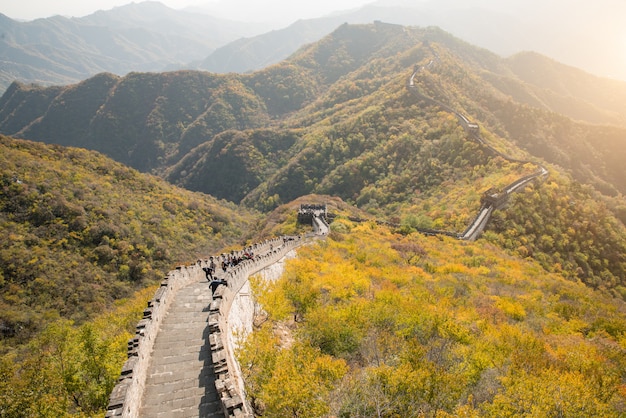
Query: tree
x=301 y=382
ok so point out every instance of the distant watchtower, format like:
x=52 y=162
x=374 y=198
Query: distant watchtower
x=494 y=198
x=307 y=212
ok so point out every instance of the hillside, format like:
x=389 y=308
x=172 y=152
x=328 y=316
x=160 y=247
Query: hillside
x=143 y=120
x=337 y=119
x=371 y=319
x=372 y=323
x=146 y=36
x=80 y=231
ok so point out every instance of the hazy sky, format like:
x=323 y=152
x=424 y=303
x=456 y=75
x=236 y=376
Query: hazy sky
x=261 y=10
x=588 y=34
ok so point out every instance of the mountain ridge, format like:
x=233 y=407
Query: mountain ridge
x=60 y=50
x=167 y=122
x=505 y=32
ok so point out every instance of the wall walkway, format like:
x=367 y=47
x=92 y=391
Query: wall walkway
x=180 y=380
x=181 y=361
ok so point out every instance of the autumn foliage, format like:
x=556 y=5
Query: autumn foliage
x=385 y=325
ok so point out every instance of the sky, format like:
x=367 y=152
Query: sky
x=259 y=10
x=588 y=34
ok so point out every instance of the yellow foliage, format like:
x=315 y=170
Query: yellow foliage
x=271 y=297
x=511 y=308
x=461 y=330
x=452 y=268
x=288 y=381
x=548 y=393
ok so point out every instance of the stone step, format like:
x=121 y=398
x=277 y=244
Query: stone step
x=180 y=380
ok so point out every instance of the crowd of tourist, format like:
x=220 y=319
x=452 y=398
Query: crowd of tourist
x=230 y=260
x=225 y=261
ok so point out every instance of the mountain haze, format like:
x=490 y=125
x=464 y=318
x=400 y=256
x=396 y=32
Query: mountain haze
x=584 y=35
x=257 y=52
x=147 y=36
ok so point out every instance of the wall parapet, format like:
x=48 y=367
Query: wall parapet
x=228 y=379
x=491 y=201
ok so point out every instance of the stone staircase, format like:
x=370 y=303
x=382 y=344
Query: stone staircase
x=181 y=381
x=181 y=360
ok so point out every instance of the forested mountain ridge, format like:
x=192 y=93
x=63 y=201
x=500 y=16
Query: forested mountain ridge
x=174 y=112
x=337 y=119
x=141 y=120
x=146 y=36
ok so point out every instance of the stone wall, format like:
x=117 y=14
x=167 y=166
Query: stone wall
x=125 y=399
x=224 y=322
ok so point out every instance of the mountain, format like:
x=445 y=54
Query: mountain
x=142 y=120
x=152 y=121
x=590 y=38
x=337 y=119
x=257 y=52
x=151 y=37
x=555 y=86
x=147 y=36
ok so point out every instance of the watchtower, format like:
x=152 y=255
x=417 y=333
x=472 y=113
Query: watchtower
x=307 y=212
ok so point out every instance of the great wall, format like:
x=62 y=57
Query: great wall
x=492 y=199
x=200 y=376
x=213 y=386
